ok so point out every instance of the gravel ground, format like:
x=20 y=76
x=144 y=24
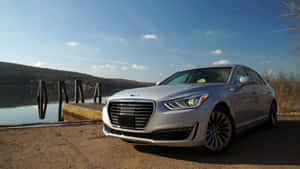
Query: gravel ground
x=85 y=147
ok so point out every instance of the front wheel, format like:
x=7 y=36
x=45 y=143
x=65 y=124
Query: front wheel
x=219 y=131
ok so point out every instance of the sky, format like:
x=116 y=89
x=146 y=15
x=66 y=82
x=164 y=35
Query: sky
x=146 y=40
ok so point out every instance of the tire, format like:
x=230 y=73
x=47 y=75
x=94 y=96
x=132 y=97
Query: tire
x=272 y=119
x=220 y=131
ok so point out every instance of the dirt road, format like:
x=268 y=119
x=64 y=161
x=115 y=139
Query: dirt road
x=85 y=147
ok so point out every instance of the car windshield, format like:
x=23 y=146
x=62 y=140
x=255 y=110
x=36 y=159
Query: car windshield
x=202 y=75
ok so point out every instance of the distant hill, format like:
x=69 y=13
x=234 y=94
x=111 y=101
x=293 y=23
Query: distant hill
x=11 y=73
x=18 y=83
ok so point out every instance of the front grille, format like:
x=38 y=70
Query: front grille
x=130 y=115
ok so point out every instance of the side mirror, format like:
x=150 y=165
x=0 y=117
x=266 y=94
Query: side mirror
x=157 y=83
x=246 y=80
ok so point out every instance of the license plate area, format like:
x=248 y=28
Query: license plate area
x=127 y=121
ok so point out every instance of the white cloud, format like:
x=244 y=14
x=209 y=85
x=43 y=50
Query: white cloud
x=181 y=66
x=217 y=52
x=119 y=62
x=38 y=64
x=285 y=29
x=265 y=62
x=222 y=62
x=73 y=43
x=150 y=36
x=104 y=67
x=118 y=65
x=209 y=33
x=139 y=67
x=172 y=65
x=124 y=68
x=177 y=50
x=187 y=66
x=123 y=41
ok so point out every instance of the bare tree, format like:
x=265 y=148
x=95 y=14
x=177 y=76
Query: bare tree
x=293 y=16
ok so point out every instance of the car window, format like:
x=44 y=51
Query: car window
x=209 y=76
x=255 y=75
x=179 y=79
x=239 y=73
x=201 y=75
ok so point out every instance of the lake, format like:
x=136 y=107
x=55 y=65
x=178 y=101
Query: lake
x=30 y=114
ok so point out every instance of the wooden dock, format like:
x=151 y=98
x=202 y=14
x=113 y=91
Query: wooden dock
x=83 y=111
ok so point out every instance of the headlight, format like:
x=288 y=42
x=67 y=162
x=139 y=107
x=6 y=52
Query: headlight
x=186 y=102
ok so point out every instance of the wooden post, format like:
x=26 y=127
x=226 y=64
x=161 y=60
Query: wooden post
x=63 y=85
x=61 y=88
x=76 y=91
x=81 y=92
x=38 y=95
x=100 y=93
x=46 y=97
x=59 y=94
x=97 y=93
x=42 y=99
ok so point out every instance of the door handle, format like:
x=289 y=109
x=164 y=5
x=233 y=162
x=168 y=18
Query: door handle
x=253 y=93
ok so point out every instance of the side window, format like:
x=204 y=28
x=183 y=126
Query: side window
x=261 y=80
x=239 y=73
x=254 y=75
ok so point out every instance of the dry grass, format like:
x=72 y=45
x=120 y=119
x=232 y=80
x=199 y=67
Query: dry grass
x=287 y=90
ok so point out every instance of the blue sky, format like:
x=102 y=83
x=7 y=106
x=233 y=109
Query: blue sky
x=146 y=40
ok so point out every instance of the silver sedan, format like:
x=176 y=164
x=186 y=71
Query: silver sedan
x=204 y=106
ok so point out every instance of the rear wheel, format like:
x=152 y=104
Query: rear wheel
x=219 y=131
x=273 y=121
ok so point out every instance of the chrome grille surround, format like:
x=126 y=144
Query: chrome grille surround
x=132 y=114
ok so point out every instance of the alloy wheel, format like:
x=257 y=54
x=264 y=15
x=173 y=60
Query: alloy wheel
x=219 y=131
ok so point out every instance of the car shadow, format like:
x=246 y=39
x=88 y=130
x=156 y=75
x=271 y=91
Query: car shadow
x=260 y=145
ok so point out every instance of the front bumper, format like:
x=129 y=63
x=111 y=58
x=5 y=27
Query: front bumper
x=146 y=138
x=165 y=120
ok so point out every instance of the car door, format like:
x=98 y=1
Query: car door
x=243 y=99
x=262 y=94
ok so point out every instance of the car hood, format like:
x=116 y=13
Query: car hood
x=164 y=92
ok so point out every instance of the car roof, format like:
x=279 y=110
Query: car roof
x=214 y=66
x=233 y=66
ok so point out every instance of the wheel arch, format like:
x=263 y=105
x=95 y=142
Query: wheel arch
x=227 y=109
x=223 y=108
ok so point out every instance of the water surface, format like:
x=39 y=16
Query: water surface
x=30 y=114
